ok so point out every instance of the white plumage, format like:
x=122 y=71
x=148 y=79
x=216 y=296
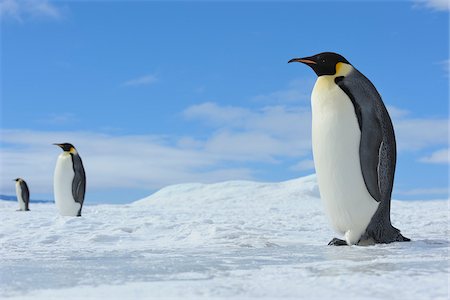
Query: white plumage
x=22 y=205
x=335 y=139
x=62 y=185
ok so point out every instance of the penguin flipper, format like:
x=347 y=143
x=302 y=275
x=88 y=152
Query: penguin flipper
x=79 y=181
x=25 y=194
x=367 y=103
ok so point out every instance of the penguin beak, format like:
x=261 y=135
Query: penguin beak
x=305 y=60
x=56 y=144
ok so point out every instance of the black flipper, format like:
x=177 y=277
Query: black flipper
x=377 y=152
x=79 y=181
x=25 y=193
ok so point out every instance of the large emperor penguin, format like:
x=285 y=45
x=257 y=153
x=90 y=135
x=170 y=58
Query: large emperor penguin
x=354 y=152
x=23 y=194
x=69 y=182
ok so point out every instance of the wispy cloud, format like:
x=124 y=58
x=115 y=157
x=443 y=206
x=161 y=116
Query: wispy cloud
x=59 y=119
x=297 y=90
x=255 y=134
x=304 y=165
x=132 y=161
x=441 y=5
x=446 y=66
x=425 y=191
x=142 y=80
x=35 y=9
x=414 y=133
x=240 y=138
x=437 y=157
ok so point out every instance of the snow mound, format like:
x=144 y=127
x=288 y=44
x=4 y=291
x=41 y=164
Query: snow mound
x=233 y=239
x=234 y=192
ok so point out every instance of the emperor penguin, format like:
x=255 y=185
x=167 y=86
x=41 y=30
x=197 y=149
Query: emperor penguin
x=69 y=181
x=354 y=152
x=23 y=194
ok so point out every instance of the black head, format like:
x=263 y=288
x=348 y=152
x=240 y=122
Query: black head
x=17 y=179
x=65 y=146
x=323 y=63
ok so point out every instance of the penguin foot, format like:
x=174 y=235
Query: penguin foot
x=337 y=242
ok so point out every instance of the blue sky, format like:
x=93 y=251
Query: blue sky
x=159 y=93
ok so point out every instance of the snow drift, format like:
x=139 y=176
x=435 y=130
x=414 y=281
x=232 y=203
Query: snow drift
x=233 y=239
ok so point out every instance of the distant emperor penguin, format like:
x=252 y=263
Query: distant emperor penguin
x=23 y=194
x=69 y=182
x=354 y=152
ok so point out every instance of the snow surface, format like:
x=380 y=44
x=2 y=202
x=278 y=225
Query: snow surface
x=234 y=240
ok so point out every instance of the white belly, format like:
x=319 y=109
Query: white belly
x=62 y=186
x=19 y=196
x=335 y=139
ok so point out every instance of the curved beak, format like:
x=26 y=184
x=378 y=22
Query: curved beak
x=304 y=60
x=56 y=144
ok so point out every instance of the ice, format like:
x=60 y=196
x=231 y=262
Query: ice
x=233 y=239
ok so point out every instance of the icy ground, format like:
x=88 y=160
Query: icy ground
x=234 y=240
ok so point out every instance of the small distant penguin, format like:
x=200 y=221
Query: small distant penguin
x=23 y=194
x=354 y=152
x=69 y=182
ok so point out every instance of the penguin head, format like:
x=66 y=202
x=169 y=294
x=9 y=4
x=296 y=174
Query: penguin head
x=17 y=179
x=325 y=63
x=67 y=147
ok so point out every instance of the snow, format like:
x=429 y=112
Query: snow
x=235 y=240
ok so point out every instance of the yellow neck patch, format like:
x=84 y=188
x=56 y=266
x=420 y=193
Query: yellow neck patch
x=342 y=69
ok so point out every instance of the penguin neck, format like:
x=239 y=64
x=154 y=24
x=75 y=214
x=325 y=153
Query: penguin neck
x=328 y=81
x=343 y=69
x=65 y=154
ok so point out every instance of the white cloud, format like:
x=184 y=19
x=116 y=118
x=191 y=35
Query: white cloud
x=420 y=133
x=437 y=157
x=217 y=115
x=143 y=80
x=240 y=138
x=258 y=134
x=425 y=191
x=59 y=119
x=434 y=4
x=446 y=65
x=110 y=161
x=21 y=10
x=304 y=165
x=396 y=112
x=297 y=90
x=414 y=133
